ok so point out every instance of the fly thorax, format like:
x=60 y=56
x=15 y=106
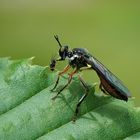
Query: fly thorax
x=72 y=57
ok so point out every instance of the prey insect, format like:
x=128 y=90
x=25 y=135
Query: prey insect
x=80 y=59
x=52 y=64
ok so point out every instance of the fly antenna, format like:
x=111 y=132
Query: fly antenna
x=57 y=39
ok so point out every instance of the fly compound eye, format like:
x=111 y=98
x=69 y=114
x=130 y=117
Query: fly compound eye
x=62 y=49
x=63 y=52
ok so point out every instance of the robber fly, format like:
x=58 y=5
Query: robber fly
x=80 y=59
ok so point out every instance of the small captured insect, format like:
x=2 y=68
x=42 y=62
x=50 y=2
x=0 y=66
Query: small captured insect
x=80 y=59
x=52 y=64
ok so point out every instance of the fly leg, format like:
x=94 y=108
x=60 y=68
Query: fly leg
x=81 y=99
x=59 y=74
x=69 y=80
x=101 y=88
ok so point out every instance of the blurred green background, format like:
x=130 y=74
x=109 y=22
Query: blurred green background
x=110 y=30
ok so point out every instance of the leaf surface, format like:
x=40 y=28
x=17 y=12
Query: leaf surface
x=28 y=111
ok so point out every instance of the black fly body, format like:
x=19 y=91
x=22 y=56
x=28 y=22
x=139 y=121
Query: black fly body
x=80 y=59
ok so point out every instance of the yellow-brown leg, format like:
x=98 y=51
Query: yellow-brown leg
x=69 y=80
x=59 y=74
x=86 y=68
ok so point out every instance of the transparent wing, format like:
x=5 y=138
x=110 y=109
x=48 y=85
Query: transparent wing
x=108 y=75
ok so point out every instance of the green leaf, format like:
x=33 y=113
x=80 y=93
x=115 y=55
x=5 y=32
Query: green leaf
x=19 y=80
x=28 y=111
x=134 y=137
